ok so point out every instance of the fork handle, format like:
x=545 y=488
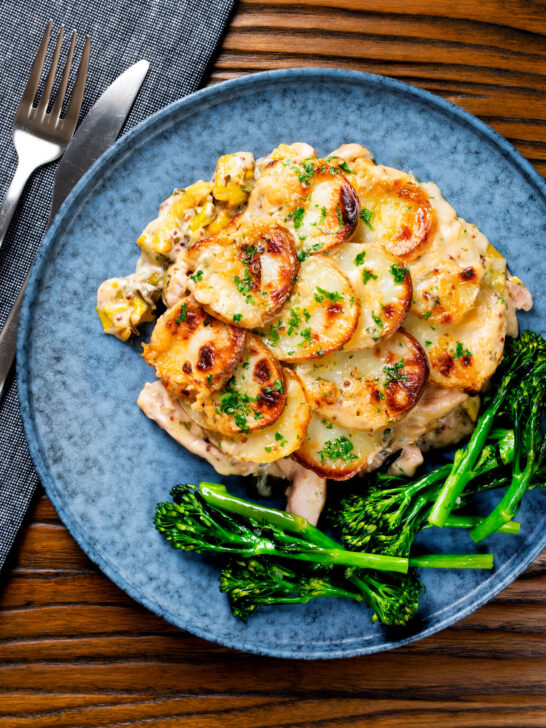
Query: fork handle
x=8 y=337
x=24 y=169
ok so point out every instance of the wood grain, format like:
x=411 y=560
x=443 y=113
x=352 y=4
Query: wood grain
x=76 y=651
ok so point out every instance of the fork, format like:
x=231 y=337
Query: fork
x=40 y=137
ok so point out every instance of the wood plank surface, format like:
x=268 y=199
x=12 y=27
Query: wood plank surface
x=76 y=651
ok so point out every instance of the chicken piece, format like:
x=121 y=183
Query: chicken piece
x=157 y=404
x=408 y=461
x=435 y=403
x=307 y=492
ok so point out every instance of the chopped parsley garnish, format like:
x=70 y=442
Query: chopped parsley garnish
x=306 y=252
x=360 y=258
x=367 y=275
x=328 y=425
x=345 y=167
x=366 y=216
x=399 y=273
x=183 y=313
x=322 y=217
x=274 y=333
x=306 y=335
x=293 y=321
x=197 y=276
x=244 y=286
x=208 y=321
x=305 y=175
x=377 y=321
x=330 y=295
x=250 y=250
x=460 y=351
x=209 y=378
x=393 y=374
x=237 y=317
x=427 y=315
x=428 y=343
x=339 y=214
x=339 y=449
x=281 y=438
x=278 y=386
x=297 y=216
x=232 y=402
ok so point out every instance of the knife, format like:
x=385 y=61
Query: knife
x=96 y=133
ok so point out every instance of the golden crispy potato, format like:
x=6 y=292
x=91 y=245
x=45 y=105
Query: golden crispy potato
x=382 y=287
x=191 y=352
x=335 y=452
x=253 y=398
x=447 y=275
x=368 y=389
x=244 y=274
x=394 y=210
x=279 y=439
x=319 y=317
x=311 y=197
x=467 y=353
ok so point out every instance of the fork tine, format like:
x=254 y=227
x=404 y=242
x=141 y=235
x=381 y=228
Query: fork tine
x=36 y=71
x=75 y=105
x=58 y=105
x=50 y=79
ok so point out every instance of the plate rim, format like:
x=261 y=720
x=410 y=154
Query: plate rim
x=77 y=197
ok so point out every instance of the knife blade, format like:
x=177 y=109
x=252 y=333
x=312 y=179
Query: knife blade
x=95 y=134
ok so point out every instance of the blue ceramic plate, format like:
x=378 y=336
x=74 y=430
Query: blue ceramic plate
x=105 y=466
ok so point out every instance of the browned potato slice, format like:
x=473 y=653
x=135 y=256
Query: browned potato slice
x=466 y=354
x=245 y=273
x=334 y=452
x=368 y=389
x=395 y=211
x=319 y=317
x=382 y=287
x=279 y=439
x=191 y=352
x=253 y=398
x=311 y=197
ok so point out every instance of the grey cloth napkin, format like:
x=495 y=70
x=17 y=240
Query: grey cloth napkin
x=179 y=38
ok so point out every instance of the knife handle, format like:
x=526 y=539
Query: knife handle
x=8 y=338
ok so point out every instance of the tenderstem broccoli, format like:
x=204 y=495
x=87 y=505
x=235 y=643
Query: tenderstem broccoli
x=387 y=516
x=523 y=364
x=213 y=520
x=262 y=541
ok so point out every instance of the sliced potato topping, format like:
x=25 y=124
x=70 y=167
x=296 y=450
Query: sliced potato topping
x=335 y=452
x=382 y=287
x=253 y=398
x=245 y=273
x=233 y=178
x=319 y=317
x=465 y=354
x=182 y=217
x=394 y=210
x=447 y=276
x=312 y=197
x=368 y=389
x=279 y=439
x=191 y=352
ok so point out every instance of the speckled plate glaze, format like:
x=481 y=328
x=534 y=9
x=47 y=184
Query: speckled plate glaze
x=105 y=466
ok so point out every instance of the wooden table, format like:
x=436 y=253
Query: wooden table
x=75 y=651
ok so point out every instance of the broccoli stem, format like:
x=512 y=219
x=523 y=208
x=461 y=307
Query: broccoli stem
x=453 y=561
x=465 y=459
x=508 y=506
x=456 y=520
x=322 y=548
